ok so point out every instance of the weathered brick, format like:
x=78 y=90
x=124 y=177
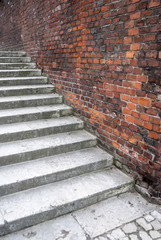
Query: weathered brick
x=133 y=31
x=154 y=3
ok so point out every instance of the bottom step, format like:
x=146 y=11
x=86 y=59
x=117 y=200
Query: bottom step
x=33 y=206
x=89 y=222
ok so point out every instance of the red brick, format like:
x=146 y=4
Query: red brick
x=135 y=15
x=131 y=8
x=127 y=40
x=129 y=24
x=148 y=125
x=130 y=54
x=133 y=31
x=137 y=85
x=145 y=102
x=149 y=38
x=144 y=117
x=135 y=46
x=160 y=54
x=124 y=97
x=135 y=114
x=153 y=135
x=155 y=120
x=134 y=99
x=131 y=106
x=138 y=122
x=154 y=3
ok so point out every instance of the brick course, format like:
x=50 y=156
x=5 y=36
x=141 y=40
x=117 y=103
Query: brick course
x=104 y=57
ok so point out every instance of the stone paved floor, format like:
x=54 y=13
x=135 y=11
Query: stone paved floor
x=147 y=227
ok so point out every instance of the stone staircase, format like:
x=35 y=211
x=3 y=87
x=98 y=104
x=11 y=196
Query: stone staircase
x=49 y=165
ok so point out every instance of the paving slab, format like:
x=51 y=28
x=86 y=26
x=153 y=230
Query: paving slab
x=111 y=213
x=65 y=227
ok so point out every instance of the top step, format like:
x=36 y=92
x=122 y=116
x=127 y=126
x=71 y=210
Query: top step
x=12 y=54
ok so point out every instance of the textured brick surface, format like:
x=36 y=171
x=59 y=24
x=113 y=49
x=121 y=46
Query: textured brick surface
x=104 y=56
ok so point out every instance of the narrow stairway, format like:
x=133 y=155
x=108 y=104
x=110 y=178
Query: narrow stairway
x=49 y=165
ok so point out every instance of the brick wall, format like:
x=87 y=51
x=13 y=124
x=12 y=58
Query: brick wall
x=104 y=57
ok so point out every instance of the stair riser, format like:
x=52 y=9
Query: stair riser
x=23 y=82
x=35 y=116
x=12 y=54
x=30 y=91
x=40 y=132
x=27 y=156
x=17 y=66
x=15 y=60
x=31 y=103
x=55 y=177
x=62 y=209
x=20 y=73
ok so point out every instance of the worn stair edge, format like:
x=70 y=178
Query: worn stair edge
x=56 y=199
x=30 y=101
x=34 y=113
x=20 y=73
x=30 y=149
x=34 y=129
x=13 y=54
x=26 y=90
x=52 y=169
x=15 y=59
x=12 y=81
x=7 y=66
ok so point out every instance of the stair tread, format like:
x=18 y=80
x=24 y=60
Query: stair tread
x=28 y=110
x=49 y=197
x=34 y=144
x=52 y=165
x=18 y=52
x=28 y=97
x=19 y=87
x=13 y=63
x=20 y=70
x=21 y=78
x=38 y=124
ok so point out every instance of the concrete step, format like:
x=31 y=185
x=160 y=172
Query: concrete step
x=12 y=54
x=30 y=100
x=34 y=113
x=33 y=129
x=20 y=73
x=15 y=59
x=95 y=220
x=26 y=90
x=34 y=148
x=12 y=81
x=7 y=66
x=52 y=169
x=59 y=198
